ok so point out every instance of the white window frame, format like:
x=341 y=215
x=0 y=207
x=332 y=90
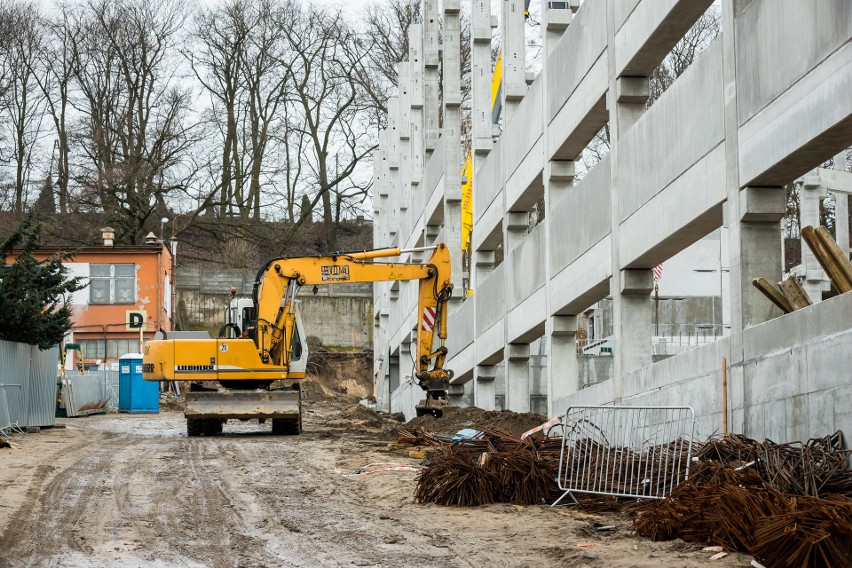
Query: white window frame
x=113 y=279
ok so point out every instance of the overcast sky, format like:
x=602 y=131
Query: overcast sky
x=352 y=8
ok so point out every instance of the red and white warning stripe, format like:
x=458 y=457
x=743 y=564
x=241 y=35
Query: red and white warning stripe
x=546 y=427
x=428 y=318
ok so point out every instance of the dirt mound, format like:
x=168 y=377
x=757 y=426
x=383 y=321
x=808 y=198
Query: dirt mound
x=456 y=418
x=345 y=373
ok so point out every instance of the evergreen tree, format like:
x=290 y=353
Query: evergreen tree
x=33 y=303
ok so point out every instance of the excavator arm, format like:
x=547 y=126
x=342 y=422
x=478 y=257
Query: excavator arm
x=279 y=280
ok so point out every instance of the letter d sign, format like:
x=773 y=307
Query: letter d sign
x=134 y=320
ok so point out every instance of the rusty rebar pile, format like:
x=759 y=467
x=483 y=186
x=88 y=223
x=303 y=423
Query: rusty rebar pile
x=499 y=468
x=787 y=504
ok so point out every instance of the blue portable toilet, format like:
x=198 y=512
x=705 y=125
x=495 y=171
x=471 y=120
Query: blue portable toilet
x=134 y=393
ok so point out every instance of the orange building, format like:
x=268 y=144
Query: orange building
x=129 y=296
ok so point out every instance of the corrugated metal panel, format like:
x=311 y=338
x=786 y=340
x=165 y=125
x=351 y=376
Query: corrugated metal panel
x=30 y=378
x=43 y=375
x=15 y=370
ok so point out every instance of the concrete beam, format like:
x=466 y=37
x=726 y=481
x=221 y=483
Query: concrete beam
x=833 y=180
x=651 y=31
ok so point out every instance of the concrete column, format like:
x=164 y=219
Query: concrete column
x=761 y=210
x=518 y=377
x=736 y=277
x=809 y=202
x=380 y=195
x=404 y=129
x=432 y=232
x=431 y=80
x=555 y=21
x=558 y=178
x=631 y=96
x=451 y=134
x=514 y=56
x=415 y=60
x=481 y=77
x=390 y=213
x=455 y=394
x=632 y=319
x=841 y=209
x=392 y=145
x=563 y=373
x=484 y=389
x=632 y=312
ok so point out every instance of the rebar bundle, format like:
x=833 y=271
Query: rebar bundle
x=787 y=504
x=499 y=468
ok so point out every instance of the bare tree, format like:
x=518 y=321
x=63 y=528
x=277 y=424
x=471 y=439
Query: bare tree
x=22 y=99
x=696 y=40
x=55 y=81
x=327 y=58
x=292 y=144
x=239 y=64
x=134 y=133
x=387 y=24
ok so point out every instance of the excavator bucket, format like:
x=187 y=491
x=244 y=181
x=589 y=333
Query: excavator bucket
x=433 y=406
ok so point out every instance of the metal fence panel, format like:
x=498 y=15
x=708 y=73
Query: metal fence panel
x=42 y=386
x=88 y=392
x=625 y=451
x=111 y=386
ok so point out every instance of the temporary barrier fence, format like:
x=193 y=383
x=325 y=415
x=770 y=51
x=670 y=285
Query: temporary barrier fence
x=89 y=392
x=625 y=451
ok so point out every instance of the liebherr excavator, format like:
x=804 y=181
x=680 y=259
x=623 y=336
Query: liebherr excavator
x=272 y=347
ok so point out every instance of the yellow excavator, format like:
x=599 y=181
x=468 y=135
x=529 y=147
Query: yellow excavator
x=261 y=355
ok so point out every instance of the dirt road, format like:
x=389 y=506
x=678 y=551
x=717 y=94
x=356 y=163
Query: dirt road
x=133 y=490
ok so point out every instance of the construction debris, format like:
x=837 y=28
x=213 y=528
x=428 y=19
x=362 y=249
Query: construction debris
x=786 y=504
x=496 y=468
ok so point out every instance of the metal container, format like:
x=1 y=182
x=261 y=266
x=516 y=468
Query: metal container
x=134 y=393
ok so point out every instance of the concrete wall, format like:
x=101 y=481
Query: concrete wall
x=792 y=384
x=753 y=112
x=339 y=315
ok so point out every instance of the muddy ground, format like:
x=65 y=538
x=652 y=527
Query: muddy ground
x=133 y=490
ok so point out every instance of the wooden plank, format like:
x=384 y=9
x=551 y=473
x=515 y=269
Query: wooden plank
x=773 y=294
x=825 y=260
x=844 y=267
x=795 y=293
